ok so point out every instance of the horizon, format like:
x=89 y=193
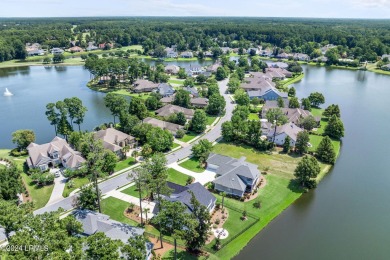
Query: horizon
x=332 y=9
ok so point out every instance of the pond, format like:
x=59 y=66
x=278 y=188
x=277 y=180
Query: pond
x=347 y=215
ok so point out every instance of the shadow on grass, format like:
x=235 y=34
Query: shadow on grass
x=295 y=186
x=182 y=255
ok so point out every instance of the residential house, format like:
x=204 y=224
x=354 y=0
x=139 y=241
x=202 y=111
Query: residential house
x=301 y=57
x=208 y=54
x=167 y=100
x=266 y=53
x=252 y=83
x=93 y=222
x=327 y=47
x=172 y=69
x=193 y=71
x=168 y=110
x=192 y=90
x=115 y=140
x=76 y=49
x=277 y=64
x=187 y=54
x=33 y=46
x=386 y=67
x=214 y=67
x=52 y=154
x=37 y=52
x=171 y=127
x=283 y=55
x=225 y=50
x=183 y=195
x=57 y=51
x=269 y=104
x=143 y=85
x=233 y=176
x=386 y=56
x=165 y=90
x=320 y=59
x=103 y=45
x=267 y=93
x=277 y=73
x=290 y=129
x=256 y=50
x=91 y=46
x=199 y=102
x=171 y=53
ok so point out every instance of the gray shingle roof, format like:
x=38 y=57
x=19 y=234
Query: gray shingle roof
x=231 y=170
x=289 y=129
x=173 y=128
x=93 y=222
x=168 y=110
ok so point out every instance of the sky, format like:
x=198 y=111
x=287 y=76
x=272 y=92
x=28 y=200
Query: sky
x=257 y=8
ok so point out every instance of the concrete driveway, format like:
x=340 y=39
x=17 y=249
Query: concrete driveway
x=59 y=186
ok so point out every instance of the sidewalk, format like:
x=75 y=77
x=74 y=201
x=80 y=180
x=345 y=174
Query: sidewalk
x=202 y=178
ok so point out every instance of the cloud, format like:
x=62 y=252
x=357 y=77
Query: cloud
x=373 y=3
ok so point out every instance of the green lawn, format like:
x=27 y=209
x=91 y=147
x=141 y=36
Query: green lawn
x=174 y=145
x=253 y=116
x=115 y=208
x=316 y=139
x=181 y=255
x=39 y=195
x=177 y=177
x=124 y=164
x=188 y=137
x=78 y=182
x=125 y=92
x=192 y=164
x=211 y=119
x=176 y=81
x=133 y=191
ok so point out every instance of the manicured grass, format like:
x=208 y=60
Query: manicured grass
x=115 y=208
x=174 y=145
x=275 y=197
x=211 y=119
x=181 y=255
x=133 y=191
x=77 y=183
x=40 y=195
x=253 y=116
x=177 y=177
x=292 y=80
x=373 y=68
x=316 y=139
x=125 y=92
x=317 y=111
x=188 y=137
x=176 y=81
x=192 y=164
x=278 y=163
x=124 y=164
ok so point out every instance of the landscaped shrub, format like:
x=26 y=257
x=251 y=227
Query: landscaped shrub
x=190 y=179
x=215 y=226
x=217 y=221
x=257 y=204
x=217 y=205
x=16 y=153
x=180 y=133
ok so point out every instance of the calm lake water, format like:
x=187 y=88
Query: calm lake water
x=347 y=215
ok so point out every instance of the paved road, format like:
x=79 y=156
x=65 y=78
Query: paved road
x=122 y=179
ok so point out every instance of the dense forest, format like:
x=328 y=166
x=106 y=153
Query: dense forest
x=358 y=39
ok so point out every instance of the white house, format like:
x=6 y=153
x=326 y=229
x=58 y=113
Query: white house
x=289 y=129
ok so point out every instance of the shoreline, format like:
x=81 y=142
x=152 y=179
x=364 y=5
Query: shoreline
x=238 y=244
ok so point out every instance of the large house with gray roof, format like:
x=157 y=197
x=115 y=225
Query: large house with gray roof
x=171 y=127
x=165 y=90
x=93 y=222
x=114 y=140
x=168 y=110
x=143 y=85
x=290 y=129
x=233 y=176
x=183 y=195
x=52 y=154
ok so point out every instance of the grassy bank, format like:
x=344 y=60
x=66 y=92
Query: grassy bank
x=293 y=80
x=280 y=191
x=373 y=68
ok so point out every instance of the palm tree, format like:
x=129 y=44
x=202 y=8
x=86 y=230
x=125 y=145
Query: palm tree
x=223 y=194
x=146 y=211
x=125 y=150
x=134 y=154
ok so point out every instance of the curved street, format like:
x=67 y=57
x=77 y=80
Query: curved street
x=123 y=179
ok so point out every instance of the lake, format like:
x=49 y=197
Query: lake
x=347 y=215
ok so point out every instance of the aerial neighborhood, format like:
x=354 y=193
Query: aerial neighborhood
x=203 y=138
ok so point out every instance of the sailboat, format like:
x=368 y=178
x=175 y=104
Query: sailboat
x=7 y=93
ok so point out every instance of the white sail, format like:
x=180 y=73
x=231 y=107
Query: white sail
x=7 y=93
